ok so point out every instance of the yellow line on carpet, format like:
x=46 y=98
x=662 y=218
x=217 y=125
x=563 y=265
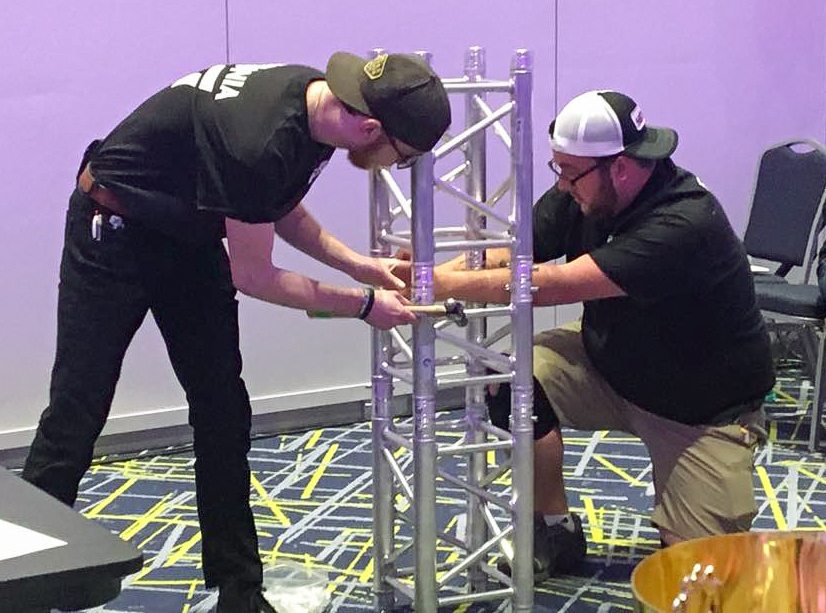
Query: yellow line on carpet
x=308 y=491
x=158 y=508
x=779 y=519
x=95 y=510
x=313 y=439
x=619 y=471
x=593 y=522
x=276 y=511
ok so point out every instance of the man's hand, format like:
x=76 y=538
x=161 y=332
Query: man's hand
x=441 y=277
x=389 y=310
x=401 y=270
x=379 y=272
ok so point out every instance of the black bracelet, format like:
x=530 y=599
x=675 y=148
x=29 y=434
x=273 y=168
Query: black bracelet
x=367 y=304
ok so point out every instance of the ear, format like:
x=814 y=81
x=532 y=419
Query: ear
x=370 y=130
x=620 y=168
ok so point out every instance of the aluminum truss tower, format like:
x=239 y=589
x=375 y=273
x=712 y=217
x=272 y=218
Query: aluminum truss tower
x=494 y=519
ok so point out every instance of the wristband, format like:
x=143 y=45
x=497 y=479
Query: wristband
x=320 y=314
x=367 y=303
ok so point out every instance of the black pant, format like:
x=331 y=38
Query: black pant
x=106 y=288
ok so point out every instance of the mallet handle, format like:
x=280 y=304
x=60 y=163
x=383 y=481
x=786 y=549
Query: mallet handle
x=429 y=309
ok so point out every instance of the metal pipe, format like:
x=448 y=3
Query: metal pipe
x=394 y=188
x=500 y=192
x=493 y=526
x=459 y=170
x=522 y=333
x=471 y=348
x=495 y=473
x=398 y=441
x=460 y=138
x=424 y=387
x=477 y=205
x=449 y=601
x=399 y=373
x=482 y=86
x=445 y=384
x=498 y=335
x=488 y=311
x=497 y=127
x=443 y=231
x=443 y=361
x=382 y=414
x=466 y=448
x=392 y=239
x=399 y=552
x=497 y=236
x=471 y=559
x=402 y=587
x=496 y=431
x=401 y=343
x=459 y=245
x=479 y=492
x=405 y=486
x=448 y=538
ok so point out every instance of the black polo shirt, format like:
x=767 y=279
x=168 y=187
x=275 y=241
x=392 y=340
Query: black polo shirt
x=688 y=341
x=229 y=141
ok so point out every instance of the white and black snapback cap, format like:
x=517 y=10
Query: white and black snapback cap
x=604 y=123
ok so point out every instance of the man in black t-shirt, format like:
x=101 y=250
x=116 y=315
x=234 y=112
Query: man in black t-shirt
x=227 y=152
x=671 y=346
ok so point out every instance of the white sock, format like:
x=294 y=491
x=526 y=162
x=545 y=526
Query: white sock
x=565 y=519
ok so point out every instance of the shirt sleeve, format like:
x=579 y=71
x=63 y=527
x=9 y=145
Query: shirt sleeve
x=241 y=175
x=552 y=223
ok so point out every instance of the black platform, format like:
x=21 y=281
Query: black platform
x=86 y=572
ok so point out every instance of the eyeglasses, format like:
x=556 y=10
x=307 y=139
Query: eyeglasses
x=557 y=169
x=403 y=161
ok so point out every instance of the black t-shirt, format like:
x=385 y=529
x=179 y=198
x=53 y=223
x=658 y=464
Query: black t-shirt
x=688 y=341
x=229 y=141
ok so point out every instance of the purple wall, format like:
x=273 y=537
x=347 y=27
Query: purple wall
x=730 y=77
x=71 y=72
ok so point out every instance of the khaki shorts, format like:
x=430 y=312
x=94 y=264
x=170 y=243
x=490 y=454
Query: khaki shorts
x=702 y=474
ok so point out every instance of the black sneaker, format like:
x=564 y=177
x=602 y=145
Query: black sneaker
x=249 y=600
x=556 y=550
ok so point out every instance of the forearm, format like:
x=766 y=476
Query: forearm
x=253 y=273
x=575 y=281
x=492 y=286
x=293 y=290
x=568 y=283
x=474 y=286
x=303 y=232
x=494 y=258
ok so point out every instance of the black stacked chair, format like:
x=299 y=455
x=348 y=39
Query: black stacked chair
x=783 y=229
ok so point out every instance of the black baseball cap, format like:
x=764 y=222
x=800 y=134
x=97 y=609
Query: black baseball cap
x=398 y=89
x=604 y=123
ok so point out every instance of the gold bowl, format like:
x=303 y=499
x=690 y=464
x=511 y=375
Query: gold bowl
x=751 y=572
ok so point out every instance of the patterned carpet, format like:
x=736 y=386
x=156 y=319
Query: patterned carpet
x=312 y=503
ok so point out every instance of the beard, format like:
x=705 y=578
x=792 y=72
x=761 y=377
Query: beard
x=364 y=157
x=358 y=159
x=604 y=203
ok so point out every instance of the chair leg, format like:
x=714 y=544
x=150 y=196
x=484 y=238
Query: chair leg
x=817 y=402
x=812 y=349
